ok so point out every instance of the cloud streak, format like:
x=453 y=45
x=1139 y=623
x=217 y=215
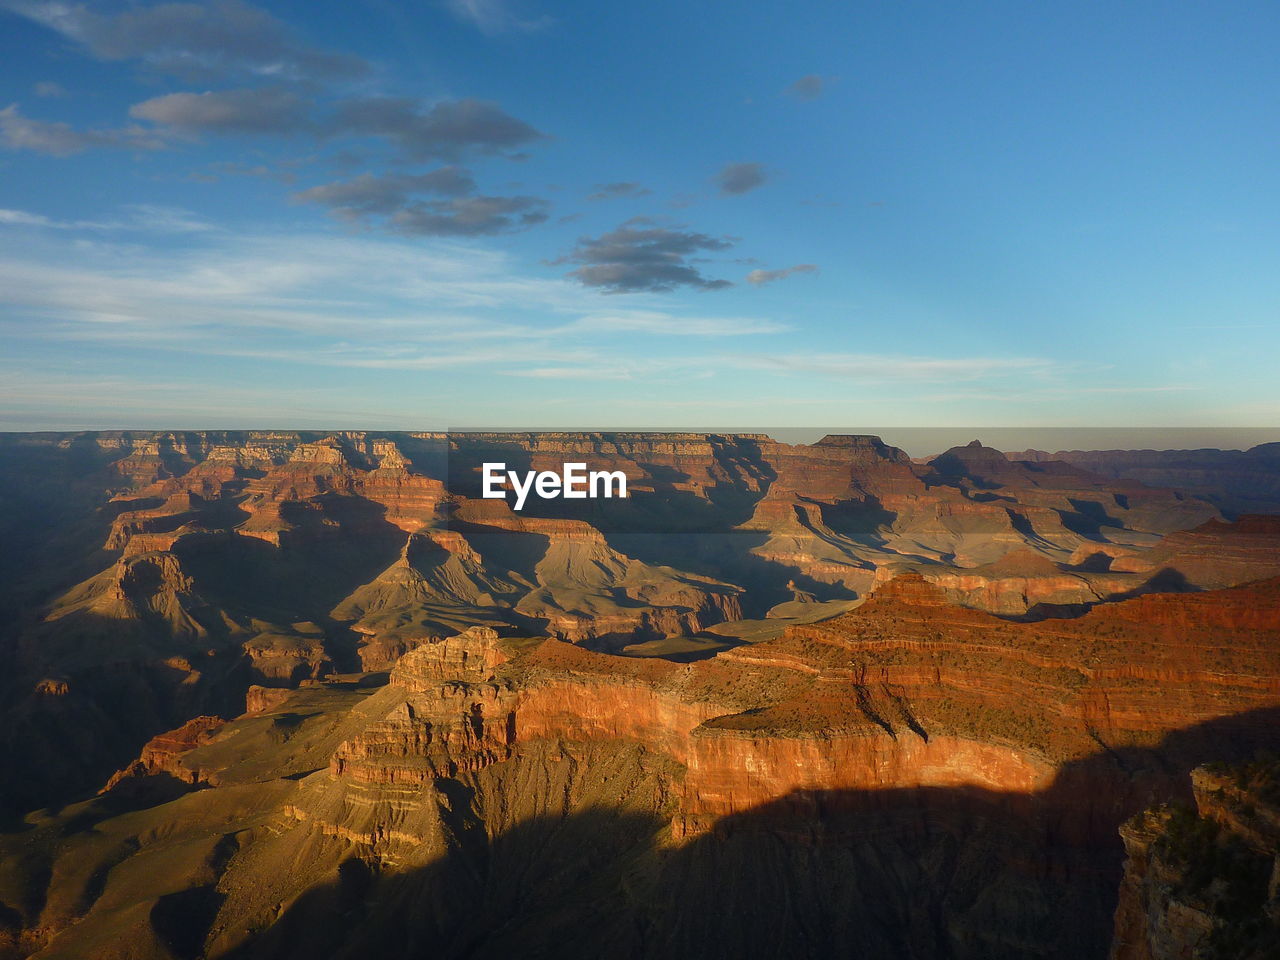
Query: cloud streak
x=20 y=132
x=493 y=17
x=370 y=194
x=468 y=216
x=758 y=278
x=310 y=298
x=394 y=196
x=653 y=322
x=270 y=111
x=880 y=367
x=143 y=217
x=642 y=255
x=218 y=40
x=626 y=188
x=444 y=131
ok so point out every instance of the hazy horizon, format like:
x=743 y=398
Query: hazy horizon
x=916 y=441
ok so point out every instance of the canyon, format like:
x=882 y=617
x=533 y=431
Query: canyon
x=279 y=693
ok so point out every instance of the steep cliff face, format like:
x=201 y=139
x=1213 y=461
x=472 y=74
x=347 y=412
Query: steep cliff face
x=1204 y=883
x=925 y=779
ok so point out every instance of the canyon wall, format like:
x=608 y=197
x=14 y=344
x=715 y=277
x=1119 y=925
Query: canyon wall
x=910 y=755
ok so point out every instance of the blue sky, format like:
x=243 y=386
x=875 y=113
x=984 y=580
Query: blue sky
x=429 y=213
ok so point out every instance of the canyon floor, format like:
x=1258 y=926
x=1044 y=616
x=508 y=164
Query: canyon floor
x=278 y=694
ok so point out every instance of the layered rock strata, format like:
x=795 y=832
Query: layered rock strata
x=935 y=781
x=173 y=570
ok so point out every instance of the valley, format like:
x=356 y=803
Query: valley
x=277 y=694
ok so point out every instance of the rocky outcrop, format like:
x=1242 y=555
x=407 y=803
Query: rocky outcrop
x=286 y=656
x=1204 y=883
x=259 y=699
x=161 y=754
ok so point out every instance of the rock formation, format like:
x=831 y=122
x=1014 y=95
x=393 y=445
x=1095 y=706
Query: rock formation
x=973 y=768
x=1204 y=881
x=1241 y=481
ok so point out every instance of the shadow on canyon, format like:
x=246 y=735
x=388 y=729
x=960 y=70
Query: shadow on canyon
x=897 y=873
x=666 y=507
x=56 y=749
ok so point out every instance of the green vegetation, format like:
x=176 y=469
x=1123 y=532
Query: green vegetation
x=1221 y=874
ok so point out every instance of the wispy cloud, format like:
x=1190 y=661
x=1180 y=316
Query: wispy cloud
x=374 y=303
x=612 y=369
x=758 y=278
x=493 y=17
x=877 y=367
x=445 y=130
x=144 y=217
x=677 y=326
x=196 y=41
x=623 y=188
x=20 y=132
x=312 y=298
x=394 y=197
x=370 y=194
x=468 y=216
x=861 y=368
x=419 y=130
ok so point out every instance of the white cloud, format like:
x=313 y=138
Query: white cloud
x=494 y=16
x=191 y=40
x=24 y=219
x=876 y=367
x=144 y=217
x=677 y=326
x=375 y=303
x=355 y=301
